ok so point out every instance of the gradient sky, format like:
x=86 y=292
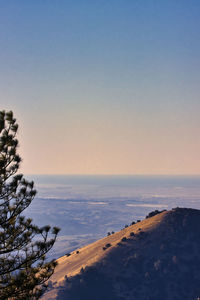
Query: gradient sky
x=103 y=87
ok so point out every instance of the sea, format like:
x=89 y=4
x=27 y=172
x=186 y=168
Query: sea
x=87 y=207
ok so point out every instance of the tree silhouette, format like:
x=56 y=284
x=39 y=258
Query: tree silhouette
x=23 y=245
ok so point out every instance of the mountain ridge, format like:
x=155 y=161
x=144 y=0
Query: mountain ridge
x=127 y=264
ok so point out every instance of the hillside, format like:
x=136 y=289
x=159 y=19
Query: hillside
x=157 y=258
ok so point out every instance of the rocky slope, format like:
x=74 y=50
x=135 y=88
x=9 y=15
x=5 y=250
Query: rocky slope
x=156 y=259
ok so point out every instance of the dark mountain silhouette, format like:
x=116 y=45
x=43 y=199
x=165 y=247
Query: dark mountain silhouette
x=155 y=259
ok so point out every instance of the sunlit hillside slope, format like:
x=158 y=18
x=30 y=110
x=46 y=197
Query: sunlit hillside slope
x=156 y=259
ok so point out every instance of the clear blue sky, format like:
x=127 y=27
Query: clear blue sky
x=107 y=87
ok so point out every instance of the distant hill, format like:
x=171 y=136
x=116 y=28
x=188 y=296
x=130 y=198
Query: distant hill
x=155 y=259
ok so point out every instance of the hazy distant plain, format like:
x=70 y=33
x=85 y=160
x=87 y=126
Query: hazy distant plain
x=87 y=207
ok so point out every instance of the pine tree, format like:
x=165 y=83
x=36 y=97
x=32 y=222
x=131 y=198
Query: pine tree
x=24 y=270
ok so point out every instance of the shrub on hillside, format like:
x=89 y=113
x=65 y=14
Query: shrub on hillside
x=154 y=213
x=106 y=246
x=124 y=239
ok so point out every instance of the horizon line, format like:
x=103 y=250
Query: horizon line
x=102 y=174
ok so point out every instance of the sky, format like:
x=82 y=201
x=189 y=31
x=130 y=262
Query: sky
x=103 y=87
